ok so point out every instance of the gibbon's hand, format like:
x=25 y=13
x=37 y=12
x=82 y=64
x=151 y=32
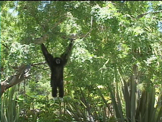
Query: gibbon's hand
x=41 y=39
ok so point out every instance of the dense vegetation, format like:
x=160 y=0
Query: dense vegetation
x=114 y=73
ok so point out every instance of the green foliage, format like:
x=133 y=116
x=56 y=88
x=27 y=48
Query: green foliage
x=110 y=38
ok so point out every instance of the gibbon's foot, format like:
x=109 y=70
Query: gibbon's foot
x=61 y=99
x=55 y=98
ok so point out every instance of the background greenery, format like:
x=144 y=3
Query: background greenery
x=115 y=43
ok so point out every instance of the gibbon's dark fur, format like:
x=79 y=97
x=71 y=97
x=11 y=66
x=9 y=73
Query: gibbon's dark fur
x=57 y=66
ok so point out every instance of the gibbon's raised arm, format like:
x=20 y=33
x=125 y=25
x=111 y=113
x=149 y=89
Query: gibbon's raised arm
x=65 y=56
x=47 y=55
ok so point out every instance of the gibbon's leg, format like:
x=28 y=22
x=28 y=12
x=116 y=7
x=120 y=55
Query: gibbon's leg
x=54 y=91
x=61 y=90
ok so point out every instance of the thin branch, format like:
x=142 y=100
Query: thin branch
x=36 y=64
x=141 y=15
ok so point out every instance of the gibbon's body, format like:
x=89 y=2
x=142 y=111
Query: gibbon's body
x=57 y=68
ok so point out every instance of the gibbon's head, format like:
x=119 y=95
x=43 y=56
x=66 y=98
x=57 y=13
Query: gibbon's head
x=58 y=61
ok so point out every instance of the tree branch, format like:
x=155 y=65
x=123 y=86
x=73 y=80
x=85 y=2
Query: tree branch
x=22 y=73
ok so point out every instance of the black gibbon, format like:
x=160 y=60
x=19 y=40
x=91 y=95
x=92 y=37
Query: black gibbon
x=57 y=67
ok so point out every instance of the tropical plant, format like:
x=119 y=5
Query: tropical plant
x=140 y=104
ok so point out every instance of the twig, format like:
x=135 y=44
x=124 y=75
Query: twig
x=5 y=46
